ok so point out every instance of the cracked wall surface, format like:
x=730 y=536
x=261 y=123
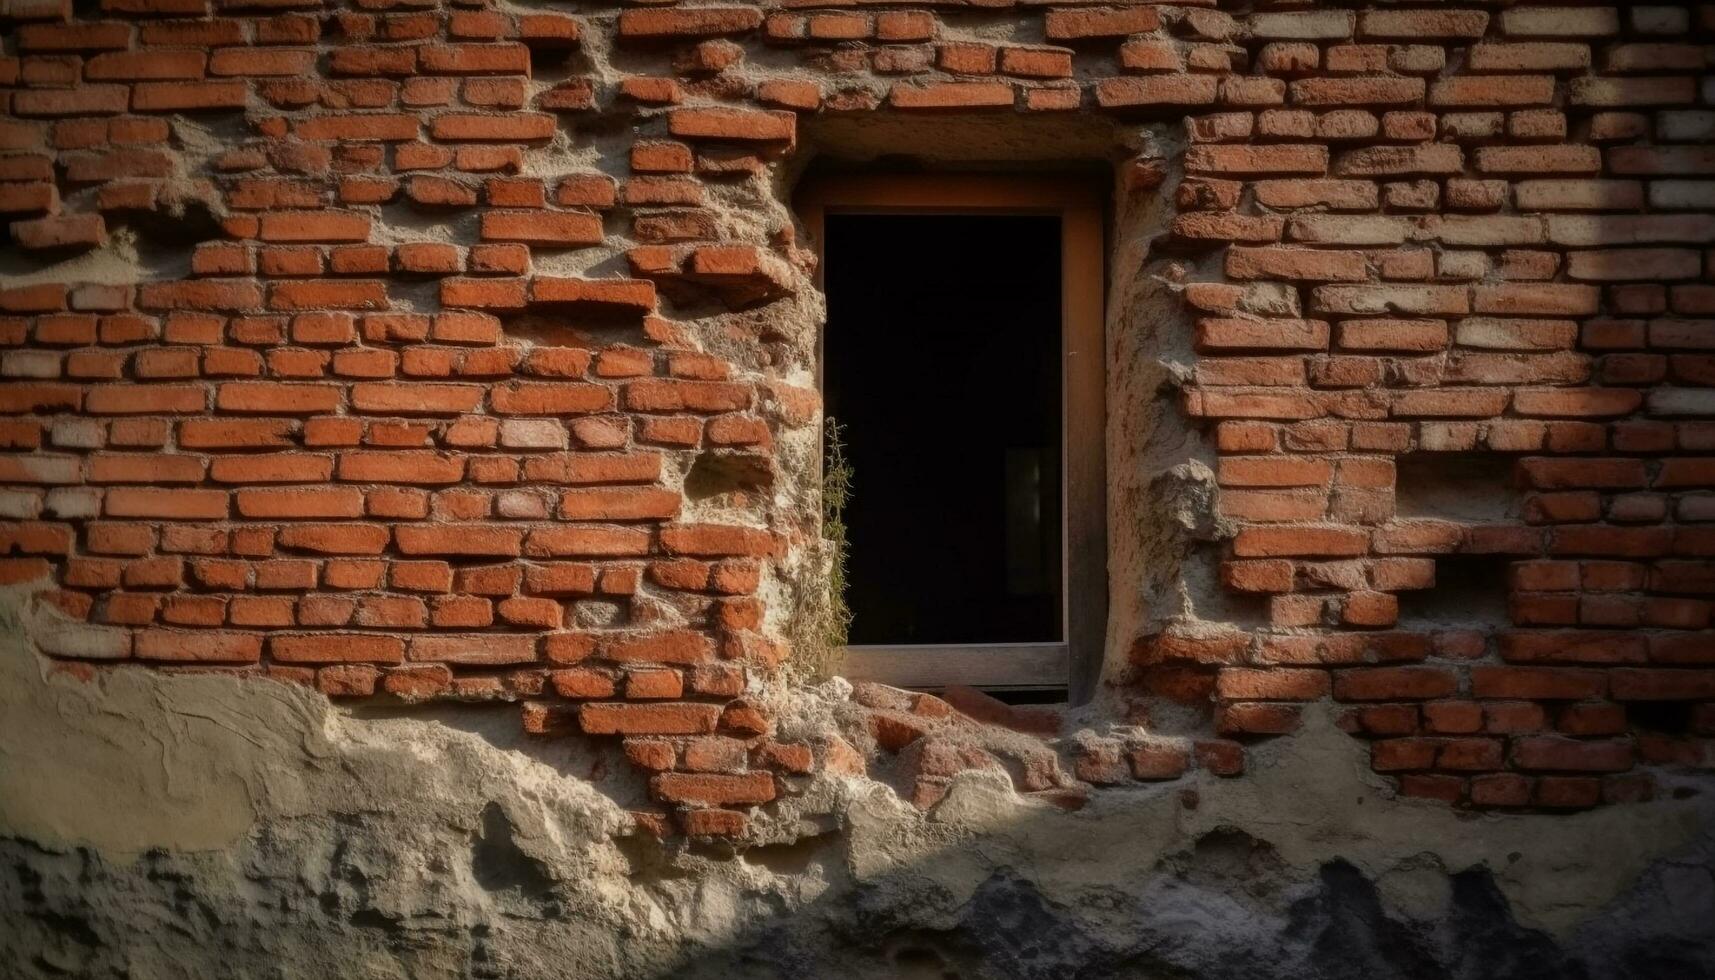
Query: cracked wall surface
x=409 y=494
x=265 y=832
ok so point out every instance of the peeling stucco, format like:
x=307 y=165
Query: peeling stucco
x=160 y=824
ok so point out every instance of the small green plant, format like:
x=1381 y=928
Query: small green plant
x=836 y=493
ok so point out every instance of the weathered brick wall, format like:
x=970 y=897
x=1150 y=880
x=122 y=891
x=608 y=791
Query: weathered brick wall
x=402 y=325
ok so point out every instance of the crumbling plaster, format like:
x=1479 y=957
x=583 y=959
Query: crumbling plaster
x=160 y=824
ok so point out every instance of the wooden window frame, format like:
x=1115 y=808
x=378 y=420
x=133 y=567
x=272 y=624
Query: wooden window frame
x=1074 y=663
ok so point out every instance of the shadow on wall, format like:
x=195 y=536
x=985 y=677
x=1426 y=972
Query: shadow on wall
x=1201 y=920
x=1215 y=901
x=155 y=825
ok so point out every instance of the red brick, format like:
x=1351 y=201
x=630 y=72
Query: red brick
x=1164 y=761
x=1236 y=683
x=171 y=504
x=1533 y=56
x=1431 y=159
x=1036 y=62
x=1154 y=90
x=335 y=539
x=460 y=539
x=300 y=503
x=670 y=23
x=950 y=95
x=1065 y=25
x=561 y=229
x=1415 y=25
x=1452 y=717
x=683 y=647
x=1592 y=719
x=1683 y=648
x=1573 y=646
x=584 y=542
x=1257 y=160
x=650 y=719
x=512 y=128
x=479 y=649
x=1393 y=335
x=1662 y=684
x=336 y=648
x=1370 y=91
x=712 y=789
x=1500 y=789
x=474 y=59
x=1565 y=754
x=1393 y=683
x=1259 y=542
x=1538 y=683
x=1220 y=757
x=733 y=124
x=199 y=647
x=187 y=96
x=1538 y=159
x=1398 y=754
x=716 y=540
x=549 y=399
x=1219 y=334
x=400 y=467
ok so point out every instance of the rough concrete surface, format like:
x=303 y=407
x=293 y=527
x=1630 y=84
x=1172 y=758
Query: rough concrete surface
x=161 y=825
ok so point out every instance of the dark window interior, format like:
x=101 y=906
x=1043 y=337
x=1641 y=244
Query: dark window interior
x=942 y=363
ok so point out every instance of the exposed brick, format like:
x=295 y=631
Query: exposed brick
x=1118 y=93
x=1257 y=160
x=1554 y=753
x=1393 y=683
x=336 y=648
x=695 y=22
x=1066 y=25
x=733 y=124
x=652 y=719
x=465 y=459
x=713 y=789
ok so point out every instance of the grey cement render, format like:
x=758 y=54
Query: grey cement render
x=156 y=825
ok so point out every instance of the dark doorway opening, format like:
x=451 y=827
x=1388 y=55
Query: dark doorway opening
x=942 y=362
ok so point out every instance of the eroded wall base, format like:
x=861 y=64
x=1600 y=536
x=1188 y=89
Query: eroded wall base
x=160 y=825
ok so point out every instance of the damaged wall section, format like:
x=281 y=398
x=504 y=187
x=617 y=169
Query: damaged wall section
x=456 y=362
x=467 y=354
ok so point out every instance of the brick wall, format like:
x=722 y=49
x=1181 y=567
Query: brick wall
x=402 y=324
